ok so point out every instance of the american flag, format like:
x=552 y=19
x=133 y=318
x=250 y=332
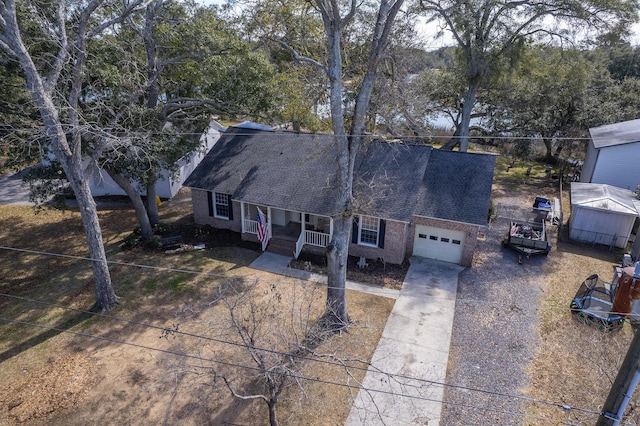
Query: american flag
x=263 y=235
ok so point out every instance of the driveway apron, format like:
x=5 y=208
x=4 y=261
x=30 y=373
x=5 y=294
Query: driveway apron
x=404 y=383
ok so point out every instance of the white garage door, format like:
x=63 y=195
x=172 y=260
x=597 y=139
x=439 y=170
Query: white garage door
x=439 y=244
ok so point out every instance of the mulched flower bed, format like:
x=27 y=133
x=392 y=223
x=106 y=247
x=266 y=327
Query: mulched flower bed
x=377 y=273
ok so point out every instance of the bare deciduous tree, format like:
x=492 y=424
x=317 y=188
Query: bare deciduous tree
x=276 y=334
x=335 y=18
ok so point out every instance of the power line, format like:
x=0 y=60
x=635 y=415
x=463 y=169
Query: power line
x=295 y=376
x=392 y=375
x=380 y=292
x=563 y=406
x=142 y=266
x=366 y=135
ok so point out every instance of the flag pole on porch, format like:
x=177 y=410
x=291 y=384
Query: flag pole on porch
x=263 y=233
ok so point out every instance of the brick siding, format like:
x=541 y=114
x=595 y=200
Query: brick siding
x=201 y=213
x=398 y=241
x=394 y=245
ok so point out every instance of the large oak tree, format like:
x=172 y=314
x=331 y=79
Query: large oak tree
x=56 y=88
x=487 y=32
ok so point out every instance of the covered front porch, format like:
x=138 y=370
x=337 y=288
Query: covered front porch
x=299 y=227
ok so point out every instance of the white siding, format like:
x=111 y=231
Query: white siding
x=167 y=186
x=101 y=184
x=600 y=226
x=278 y=217
x=618 y=166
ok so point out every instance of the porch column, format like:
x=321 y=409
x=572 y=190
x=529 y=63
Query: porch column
x=330 y=228
x=242 y=215
x=269 y=222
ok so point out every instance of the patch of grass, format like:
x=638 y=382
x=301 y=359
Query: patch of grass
x=507 y=176
x=150 y=285
x=178 y=282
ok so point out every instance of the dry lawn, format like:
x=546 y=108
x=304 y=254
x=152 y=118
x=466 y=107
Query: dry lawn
x=119 y=369
x=575 y=364
x=159 y=357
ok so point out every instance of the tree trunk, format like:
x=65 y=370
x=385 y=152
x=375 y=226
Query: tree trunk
x=467 y=109
x=106 y=298
x=136 y=200
x=454 y=141
x=70 y=156
x=336 y=316
x=273 y=417
x=548 y=144
x=152 y=206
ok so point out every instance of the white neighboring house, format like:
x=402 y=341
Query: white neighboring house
x=613 y=155
x=101 y=183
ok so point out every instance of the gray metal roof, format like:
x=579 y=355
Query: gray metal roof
x=392 y=180
x=616 y=134
x=600 y=196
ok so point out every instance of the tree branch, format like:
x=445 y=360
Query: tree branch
x=297 y=56
x=63 y=53
x=132 y=7
x=245 y=397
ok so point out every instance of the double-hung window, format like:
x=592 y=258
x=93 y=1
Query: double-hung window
x=369 y=231
x=222 y=206
x=219 y=205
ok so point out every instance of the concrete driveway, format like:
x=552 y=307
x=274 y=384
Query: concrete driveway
x=12 y=191
x=403 y=384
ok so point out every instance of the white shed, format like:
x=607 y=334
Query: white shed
x=602 y=214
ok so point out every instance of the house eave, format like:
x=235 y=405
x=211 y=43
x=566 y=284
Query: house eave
x=449 y=220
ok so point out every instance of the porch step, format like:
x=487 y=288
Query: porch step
x=283 y=247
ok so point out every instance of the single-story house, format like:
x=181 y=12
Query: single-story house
x=613 y=155
x=602 y=214
x=169 y=184
x=409 y=199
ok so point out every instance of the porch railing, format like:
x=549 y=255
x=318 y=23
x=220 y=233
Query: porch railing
x=250 y=226
x=313 y=238
x=318 y=239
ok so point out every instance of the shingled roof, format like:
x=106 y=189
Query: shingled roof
x=392 y=180
x=616 y=134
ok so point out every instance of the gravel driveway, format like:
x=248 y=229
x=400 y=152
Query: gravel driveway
x=494 y=331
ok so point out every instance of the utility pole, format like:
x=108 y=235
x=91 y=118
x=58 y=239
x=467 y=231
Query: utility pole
x=623 y=387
